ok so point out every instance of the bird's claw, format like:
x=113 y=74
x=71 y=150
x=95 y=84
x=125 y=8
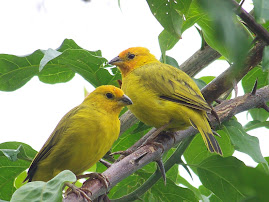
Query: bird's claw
x=124 y=153
x=79 y=191
x=103 y=179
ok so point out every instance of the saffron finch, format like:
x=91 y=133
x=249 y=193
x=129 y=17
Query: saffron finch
x=82 y=137
x=163 y=95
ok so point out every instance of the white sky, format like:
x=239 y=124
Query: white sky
x=30 y=113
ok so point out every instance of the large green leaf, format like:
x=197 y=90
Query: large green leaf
x=184 y=182
x=261 y=10
x=55 y=66
x=248 y=83
x=15 y=157
x=169 y=192
x=222 y=30
x=132 y=182
x=44 y=191
x=197 y=151
x=171 y=61
x=230 y=180
x=159 y=192
x=219 y=175
x=244 y=142
x=170 y=14
x=16 y=71
x=256 y=124
x=167 y=42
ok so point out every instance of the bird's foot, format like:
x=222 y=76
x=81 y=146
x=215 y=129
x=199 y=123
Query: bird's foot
x=103 y=179
x=78 y=191
x=124 y=153
x=105 y=163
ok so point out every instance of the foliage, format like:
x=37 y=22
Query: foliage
x=223 y=178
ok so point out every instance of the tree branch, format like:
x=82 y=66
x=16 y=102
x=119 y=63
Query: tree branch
x=258 y=29
x=226 y=80
x=199 y=60
x=126 y=121
x=148 y=153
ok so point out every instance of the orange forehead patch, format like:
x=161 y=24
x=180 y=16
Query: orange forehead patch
x=134 y=50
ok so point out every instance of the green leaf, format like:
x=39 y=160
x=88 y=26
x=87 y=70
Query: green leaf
x=194 y=15
x=229 y=175
x=260 y=166
x=169 y=192
x=140 y=128
x=48 y=56
x=45 y=191
x=199 y=83
x=223 y=32
x=128 y=184
x=184 y=182
x=244 y=142
x=170 y=14
x=207 y=195
x=255 y=184
x=204 y=190
x=11 y=169
x=16 y=71
x=220 y=175
x=19 y=180
x=256 y=124
x=197 y=151
x=15 y=154
x=74 y=59
x=56 y=66
x=11 y=154
x=265 y=57
x=173 y=173
x=261 y=10
x=171 y=61
x=248 y=83
x=166 y=42
x=207 y=79
x=249 y=80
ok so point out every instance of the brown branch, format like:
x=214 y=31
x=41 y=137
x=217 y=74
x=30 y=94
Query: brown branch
x=258 y=29
x=199 y=60
x=148 y=153
x=126 y=121
x=226 y=80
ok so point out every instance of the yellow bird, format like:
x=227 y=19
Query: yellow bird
x=82 y=137
x=163 y=96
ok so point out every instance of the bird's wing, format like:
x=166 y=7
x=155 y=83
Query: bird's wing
x=172 y=84
x=51 y=142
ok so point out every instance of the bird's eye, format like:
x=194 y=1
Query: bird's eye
x=109 y=95
x=131 y=56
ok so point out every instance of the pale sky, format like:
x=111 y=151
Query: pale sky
x=30 y=113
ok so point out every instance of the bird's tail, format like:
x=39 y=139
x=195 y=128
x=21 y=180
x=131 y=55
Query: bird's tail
x=204 y=128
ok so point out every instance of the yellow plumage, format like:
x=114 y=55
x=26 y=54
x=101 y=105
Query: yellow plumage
x=82 y=137
x=163 y=94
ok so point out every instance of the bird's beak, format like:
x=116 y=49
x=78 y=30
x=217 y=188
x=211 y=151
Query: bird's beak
x=125 y=100
x=115 y=61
